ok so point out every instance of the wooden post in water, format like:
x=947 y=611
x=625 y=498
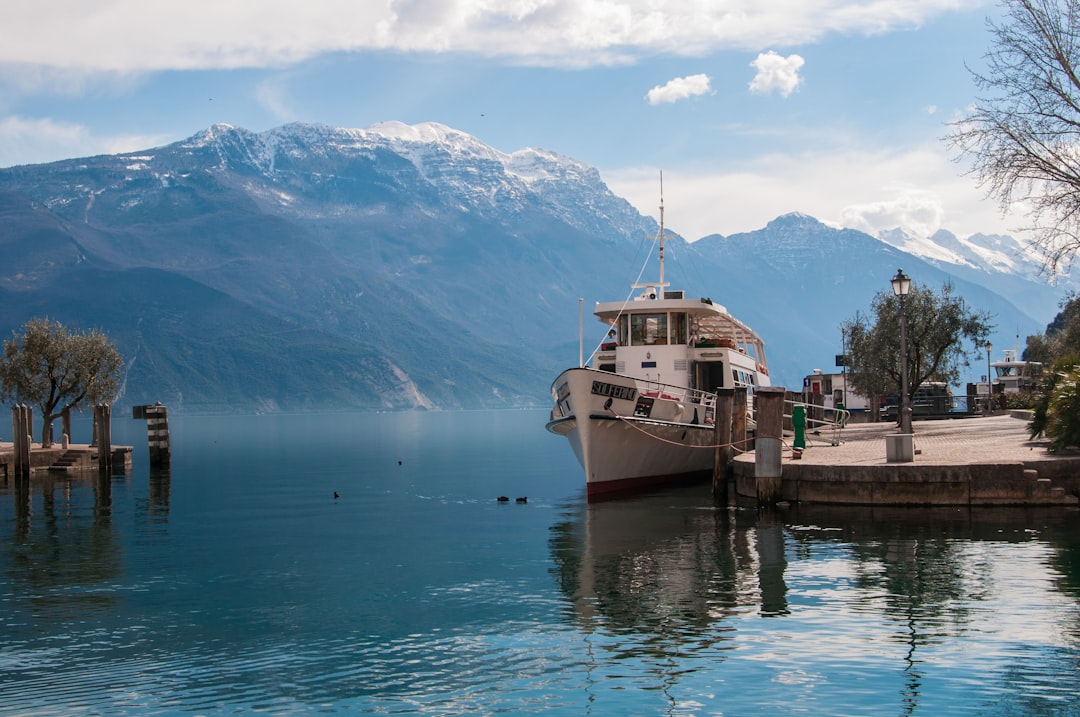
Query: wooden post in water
x=722 y=454
x=738 y=421
x=769 y=401
x=22 y=427
x=157 y=432
x=103 y=436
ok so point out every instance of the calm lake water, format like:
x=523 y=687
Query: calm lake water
x=237 y=584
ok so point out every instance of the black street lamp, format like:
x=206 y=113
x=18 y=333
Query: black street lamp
x=989 y=380
x=901 y=285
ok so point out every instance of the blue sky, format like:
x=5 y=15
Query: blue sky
x=751 y=108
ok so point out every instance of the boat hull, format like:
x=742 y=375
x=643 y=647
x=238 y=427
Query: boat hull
x=626 y=439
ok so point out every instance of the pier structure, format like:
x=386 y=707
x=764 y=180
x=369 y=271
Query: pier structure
x=21 y=458
x=971 y=461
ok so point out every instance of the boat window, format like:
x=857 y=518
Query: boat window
x=648 y=329
x=679 y=329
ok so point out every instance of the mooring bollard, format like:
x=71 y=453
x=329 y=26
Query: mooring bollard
x=769 y=402
x=157 y=432
x=722 y=454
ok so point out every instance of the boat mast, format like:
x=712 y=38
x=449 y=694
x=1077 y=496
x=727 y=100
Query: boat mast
x=662 y=284
x=659 y=286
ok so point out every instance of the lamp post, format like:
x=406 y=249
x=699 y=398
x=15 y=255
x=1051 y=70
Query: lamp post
x=843 y=370
x=989 y=380
x=901 y=285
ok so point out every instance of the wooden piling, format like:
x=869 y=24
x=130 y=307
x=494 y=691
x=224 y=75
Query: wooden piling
x=22 y=427
x=738 y=421
x=157 y=432
x=723 y=453
x=103 y=436
x=769 y=404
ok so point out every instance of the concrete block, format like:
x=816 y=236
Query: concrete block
x=899 y=448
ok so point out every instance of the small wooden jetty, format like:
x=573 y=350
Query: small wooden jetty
x=58 y=458
x=21 y=457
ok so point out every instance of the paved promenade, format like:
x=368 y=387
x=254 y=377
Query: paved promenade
x=980 y=460
x=970 y=440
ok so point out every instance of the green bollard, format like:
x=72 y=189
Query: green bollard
x=798 y=422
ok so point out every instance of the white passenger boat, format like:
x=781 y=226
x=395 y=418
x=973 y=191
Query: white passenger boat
x=1015 y=375
x=640 y=414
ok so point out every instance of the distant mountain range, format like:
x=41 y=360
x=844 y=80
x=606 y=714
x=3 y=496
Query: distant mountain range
x=398 y=267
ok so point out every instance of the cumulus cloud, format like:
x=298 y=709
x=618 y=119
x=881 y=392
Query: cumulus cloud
x=776 y=73
x=129 y=36
x=679 y=89
x=919 y=212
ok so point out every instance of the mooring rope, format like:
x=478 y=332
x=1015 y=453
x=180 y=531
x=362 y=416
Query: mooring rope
x=735 y=444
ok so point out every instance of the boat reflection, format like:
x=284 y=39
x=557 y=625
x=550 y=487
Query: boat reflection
x=670 y=574
x=668 y=562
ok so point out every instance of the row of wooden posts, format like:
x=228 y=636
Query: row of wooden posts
x=157 y=434
x=731 y=438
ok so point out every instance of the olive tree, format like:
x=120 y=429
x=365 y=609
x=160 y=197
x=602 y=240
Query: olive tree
x=58 y=370
x=939 y=325
x=1021 y=134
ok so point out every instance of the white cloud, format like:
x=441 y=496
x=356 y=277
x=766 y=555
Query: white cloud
x=776 y=73
x=919 y=212
x=32 y=141
x=916 y=188
x=679 y=89
x=139 y=36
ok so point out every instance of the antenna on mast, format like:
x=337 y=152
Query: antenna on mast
x=658 y=286
x=662 y=284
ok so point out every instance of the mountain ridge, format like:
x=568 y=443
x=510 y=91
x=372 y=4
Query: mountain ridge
x=451 y=272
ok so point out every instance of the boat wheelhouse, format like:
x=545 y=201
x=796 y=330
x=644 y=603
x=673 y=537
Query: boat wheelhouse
x=1015 y=375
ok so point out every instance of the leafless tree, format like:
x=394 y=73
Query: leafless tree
x=1023 y=134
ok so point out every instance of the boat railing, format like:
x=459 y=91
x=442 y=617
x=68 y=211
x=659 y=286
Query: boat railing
x=682 y=394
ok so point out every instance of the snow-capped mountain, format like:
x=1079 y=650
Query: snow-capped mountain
x=999 y=262
x=413 y=266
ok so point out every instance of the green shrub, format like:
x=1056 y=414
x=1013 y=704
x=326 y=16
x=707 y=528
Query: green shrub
x=1025 y=400
x=1057 y=406
x=1063 y=411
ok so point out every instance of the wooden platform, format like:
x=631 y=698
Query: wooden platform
x=76 y=457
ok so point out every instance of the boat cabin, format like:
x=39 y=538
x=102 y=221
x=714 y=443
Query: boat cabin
x=1014 y=375
x=663 y=336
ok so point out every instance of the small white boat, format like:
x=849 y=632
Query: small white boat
x=1014 y=375
x=640 y=415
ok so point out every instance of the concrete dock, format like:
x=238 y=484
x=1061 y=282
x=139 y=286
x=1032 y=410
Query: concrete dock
x=974 y=461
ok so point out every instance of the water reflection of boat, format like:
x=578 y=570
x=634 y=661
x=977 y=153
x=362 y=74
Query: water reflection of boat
x=668 y=564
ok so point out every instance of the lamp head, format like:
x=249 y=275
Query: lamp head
x=901 y=283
